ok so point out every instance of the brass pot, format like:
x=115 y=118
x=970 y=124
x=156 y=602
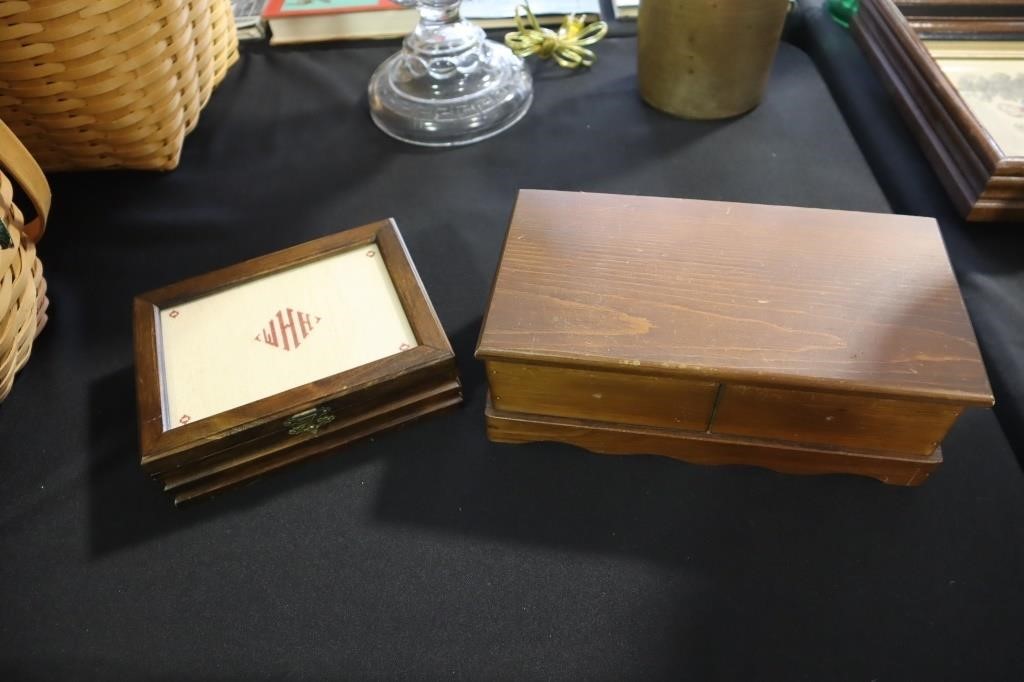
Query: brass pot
x=707 y=58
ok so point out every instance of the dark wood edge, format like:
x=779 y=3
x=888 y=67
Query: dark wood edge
x=261 y=266
x=1010 y=183
x=705 y=449
x=999 y=196
x=975 y=28
x=315 y=448
x=157 y=443
x=492 y=412
x=996 y=161
x=964 y=5
x=497 y=272
x=973 y=165
x=773 y=380
x=181 y=477
x=287 y=403
x=986 y=210
x=148 y=385
x=890 y=16
x=343 y=405
x=409 y=287
x=961 y=191
x=996 y=11
x=995 y=197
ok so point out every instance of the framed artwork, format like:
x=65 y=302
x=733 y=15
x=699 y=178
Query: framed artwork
x=956 y=71
x=989 y=77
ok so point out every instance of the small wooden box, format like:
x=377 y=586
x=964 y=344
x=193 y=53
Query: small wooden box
x=803 y=340
x=253 y=367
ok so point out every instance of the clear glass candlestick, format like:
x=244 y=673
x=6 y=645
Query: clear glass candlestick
x=448 y=85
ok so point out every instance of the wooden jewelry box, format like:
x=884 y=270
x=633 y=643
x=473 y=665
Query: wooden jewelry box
x=802 y=340
x=253 y=367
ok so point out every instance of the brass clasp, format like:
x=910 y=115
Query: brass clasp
x=309 y=421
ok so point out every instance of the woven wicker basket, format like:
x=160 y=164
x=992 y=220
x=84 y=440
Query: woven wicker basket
x=23 y=299
x=110 y=83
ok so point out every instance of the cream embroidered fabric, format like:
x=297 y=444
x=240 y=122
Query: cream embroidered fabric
x=272 y=334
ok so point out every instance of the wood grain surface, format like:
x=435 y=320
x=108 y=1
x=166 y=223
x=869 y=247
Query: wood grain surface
x=996 y=28
x=190 y=471
x=700 y=448
x=307 y=449
x=238 y=459
x=602 y=395
x=760 y=295
x=912 y=429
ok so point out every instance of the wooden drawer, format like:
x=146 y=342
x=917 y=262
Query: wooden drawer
x=602 y=396
x=708 y=448
x=860 y=422
x=800 y=339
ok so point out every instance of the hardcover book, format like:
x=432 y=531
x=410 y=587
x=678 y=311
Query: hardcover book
x=301 y=21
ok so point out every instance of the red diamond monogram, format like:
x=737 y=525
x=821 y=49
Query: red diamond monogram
x=185 y=419
x=287 y=329
x=173 y=314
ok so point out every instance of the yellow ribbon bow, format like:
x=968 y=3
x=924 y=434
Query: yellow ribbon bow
x=568 y=46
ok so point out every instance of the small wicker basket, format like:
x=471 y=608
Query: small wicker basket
x=110 y=83
x=23 y=299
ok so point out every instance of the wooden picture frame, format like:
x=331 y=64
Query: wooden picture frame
x=397 y=386
x=995 y=161
x=960 y=9
x=978 y=18
x=983 y=180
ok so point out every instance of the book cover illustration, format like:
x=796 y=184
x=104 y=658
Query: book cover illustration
x=294 y=8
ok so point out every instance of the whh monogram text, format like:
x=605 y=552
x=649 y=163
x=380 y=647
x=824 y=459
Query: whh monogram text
x=287 y=329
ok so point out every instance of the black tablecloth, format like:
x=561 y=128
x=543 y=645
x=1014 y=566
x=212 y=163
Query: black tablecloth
x=428 y=552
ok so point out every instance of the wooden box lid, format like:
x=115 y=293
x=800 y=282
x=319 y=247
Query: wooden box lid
x=319 y=341
x=762 y=295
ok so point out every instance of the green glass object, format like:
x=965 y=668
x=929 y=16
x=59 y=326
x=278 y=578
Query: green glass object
x=843 y=11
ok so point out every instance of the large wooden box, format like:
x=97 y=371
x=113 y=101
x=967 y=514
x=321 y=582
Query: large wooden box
x=803 y=340
x=259 y=365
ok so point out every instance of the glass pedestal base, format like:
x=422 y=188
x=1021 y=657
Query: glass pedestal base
x=449 y=86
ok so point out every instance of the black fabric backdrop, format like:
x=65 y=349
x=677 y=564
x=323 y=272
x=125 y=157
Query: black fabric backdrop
x=427 y=552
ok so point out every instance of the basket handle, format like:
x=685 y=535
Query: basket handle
x=27 y=173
